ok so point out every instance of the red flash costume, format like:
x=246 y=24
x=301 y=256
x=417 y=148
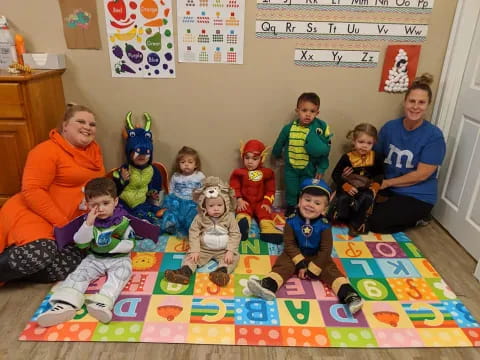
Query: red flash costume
x=257 y=188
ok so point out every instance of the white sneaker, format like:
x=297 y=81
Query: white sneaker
x=256 y=288
x=354 y=302
x=100 y=312
x=58 y=314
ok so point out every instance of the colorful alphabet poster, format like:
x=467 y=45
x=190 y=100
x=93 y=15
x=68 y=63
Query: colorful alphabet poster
x=80 y=24
x=211 y=31
x=140 y=38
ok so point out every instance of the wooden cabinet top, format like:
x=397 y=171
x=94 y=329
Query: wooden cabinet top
x=5 y=76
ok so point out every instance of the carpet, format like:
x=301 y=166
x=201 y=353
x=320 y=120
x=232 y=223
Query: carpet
x=407 y=302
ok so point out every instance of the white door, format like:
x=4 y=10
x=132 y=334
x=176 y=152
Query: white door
x=458 y=208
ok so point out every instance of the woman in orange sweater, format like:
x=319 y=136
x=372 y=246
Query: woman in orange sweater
x=52 y=195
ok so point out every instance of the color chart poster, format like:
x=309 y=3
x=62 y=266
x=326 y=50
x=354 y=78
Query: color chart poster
x=140 y=38
x=211 y=31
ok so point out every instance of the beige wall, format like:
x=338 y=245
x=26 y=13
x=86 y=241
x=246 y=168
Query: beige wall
x=213 y=107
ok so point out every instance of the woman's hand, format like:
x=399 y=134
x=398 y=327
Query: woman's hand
x=92 y=215
x=353 y=191
x=241 y=205
x=228 y=257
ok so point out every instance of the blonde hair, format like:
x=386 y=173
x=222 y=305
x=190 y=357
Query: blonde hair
x=422 y=82
x=363 y=128
x=187 y=151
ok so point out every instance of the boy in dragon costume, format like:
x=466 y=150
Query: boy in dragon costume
x=138 y=182
x=305 y=144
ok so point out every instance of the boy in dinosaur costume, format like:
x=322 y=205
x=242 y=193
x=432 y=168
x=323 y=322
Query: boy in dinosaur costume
x=138 y=182
x=305 y=144
x=254 y=188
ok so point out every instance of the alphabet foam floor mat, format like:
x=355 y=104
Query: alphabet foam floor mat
x=407 y=302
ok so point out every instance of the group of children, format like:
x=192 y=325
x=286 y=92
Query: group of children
x=217 y=216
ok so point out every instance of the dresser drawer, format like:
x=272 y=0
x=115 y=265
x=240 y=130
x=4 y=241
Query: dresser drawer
x=11 y=101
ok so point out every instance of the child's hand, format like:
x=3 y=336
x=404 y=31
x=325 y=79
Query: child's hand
x=302 y=274
x=92 y=215
x=353 y=191
x=318 y=176
x=241 y=205
x=228 y=257
x=124 y=174
x=194 y=256
x=267 y=208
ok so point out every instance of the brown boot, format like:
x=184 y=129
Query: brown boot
x=179 y=276
x=220 y=276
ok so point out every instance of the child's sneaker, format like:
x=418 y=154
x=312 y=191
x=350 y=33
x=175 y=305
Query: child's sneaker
x=179 y=276
x=354 y=302
x=257 y=288
x=100 y=311
x=59 y=313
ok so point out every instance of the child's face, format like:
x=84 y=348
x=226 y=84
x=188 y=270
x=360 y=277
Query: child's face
x=187 y=165
x=139 y=159
x=215 y=207
x=312 y=206
x=251 y=160
x=306 y=112
x=363 y=143
x=105 y=205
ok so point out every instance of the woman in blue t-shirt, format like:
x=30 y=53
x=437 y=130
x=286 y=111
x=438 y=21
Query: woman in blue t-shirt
x=413 y=149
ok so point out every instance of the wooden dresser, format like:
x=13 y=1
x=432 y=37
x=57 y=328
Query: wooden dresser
x=30 y=105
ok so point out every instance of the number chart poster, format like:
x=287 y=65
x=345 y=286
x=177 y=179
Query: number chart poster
x=140 y=38
x=211 y=31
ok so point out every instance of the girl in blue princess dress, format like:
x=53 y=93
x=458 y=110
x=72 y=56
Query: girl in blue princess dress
x=180 y=208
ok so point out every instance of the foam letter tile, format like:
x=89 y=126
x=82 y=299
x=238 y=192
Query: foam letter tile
x=118 y=331
x=169 y=309
x=164 y=333
x=444 y=337
x=296 y=312
x=397 y=268
x=253 y=264
x=212 y=311
x=351 y=337
x=204 y=287
x=162 y=286
x=397 y=338
x=373 y=289
x=430 y=315
x=305 y=336
x=258 y=335
x=337 y=315
x=253 y=311
x=352 y=249
x=208 y=334
x=141 y=283
x=441 y=289
x=410 y=249
x=171 y=261
x=425 y=268
x=253 y=247
x=69 y=331
x=385 y=249
x=130 y=308
x=378 y=237
x=146 y=261
x=473 y=334
x=175 y=244
x=386 y=315
x=362 y=268
x=460 y=314
x=294 y=288
x=412 y=289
